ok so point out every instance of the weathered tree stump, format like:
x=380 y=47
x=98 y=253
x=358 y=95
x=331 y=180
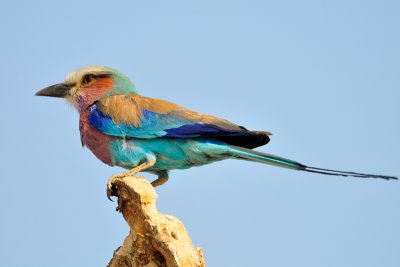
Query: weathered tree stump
x=155 y=239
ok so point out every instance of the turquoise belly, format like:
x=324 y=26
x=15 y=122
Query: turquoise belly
x=169 y=153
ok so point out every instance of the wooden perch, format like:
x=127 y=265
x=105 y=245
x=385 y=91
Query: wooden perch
x=155 y=239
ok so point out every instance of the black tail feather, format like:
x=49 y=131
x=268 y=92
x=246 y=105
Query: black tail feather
x=346 y=174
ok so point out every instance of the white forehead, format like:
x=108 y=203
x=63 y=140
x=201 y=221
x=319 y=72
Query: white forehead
x=77 y=75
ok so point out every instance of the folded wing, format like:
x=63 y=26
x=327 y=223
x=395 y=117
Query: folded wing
x=134 y=116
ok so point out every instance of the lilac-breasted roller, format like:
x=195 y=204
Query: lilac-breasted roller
x=123 y=128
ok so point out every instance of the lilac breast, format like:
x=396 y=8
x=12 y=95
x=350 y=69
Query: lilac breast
x=96 y=141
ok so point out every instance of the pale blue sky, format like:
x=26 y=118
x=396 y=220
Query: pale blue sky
x=323 y=76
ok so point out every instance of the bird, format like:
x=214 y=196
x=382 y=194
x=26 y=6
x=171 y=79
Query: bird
x=144 y=134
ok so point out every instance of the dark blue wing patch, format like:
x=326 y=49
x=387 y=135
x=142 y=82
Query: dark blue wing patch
x=196 y=130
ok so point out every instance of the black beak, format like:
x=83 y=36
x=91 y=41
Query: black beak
x=57 y=90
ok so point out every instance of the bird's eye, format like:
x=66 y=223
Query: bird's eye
x=88 y=78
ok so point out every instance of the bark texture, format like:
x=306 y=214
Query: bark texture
x=155 y=239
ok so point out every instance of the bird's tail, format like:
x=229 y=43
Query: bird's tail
x=248 y=154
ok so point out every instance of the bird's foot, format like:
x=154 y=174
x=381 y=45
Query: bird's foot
x=110 y=184
x=159 y=181
x=118 y=177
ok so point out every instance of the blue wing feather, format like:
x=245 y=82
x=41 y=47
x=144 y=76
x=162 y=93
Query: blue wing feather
x=197 y=130
x=155 y=125
x=152 y=125
x=174 y=125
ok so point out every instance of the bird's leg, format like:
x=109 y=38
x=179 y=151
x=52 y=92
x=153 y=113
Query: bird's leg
x=162 y=179
x=120 y=176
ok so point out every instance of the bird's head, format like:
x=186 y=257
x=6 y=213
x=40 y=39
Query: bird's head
x=85 y=86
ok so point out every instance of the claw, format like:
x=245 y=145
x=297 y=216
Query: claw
x=110 y=192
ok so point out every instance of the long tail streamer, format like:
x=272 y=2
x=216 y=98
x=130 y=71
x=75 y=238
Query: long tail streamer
x=248 y=154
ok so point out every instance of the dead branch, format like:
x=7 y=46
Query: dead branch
x=155 y=239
